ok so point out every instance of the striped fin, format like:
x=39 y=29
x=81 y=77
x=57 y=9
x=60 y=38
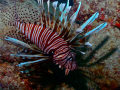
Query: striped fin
x=39 y=16
x=73 y=17
x=54 y=4
x=60 y=25
x=54 y=24
x=19 y=43
x=30 y=62
x=89 y=21
x=97 y=29
x=52 y=36
x=64 y=13
x=29 y=56
x=48 y=19
x=15 y=33
x=80 y=29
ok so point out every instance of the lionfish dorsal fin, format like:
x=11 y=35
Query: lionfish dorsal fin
x=48 y=4
x=64 y=12
x=73 y=17
x=61 y=7
x=51 y=23
x=54 y=4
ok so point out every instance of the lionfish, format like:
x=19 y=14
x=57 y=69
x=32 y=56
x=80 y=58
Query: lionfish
x=53 y=37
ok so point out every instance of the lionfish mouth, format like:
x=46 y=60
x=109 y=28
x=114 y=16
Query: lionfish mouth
x=47 y=35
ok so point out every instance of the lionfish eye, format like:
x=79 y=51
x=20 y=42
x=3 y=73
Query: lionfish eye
x=53 y=37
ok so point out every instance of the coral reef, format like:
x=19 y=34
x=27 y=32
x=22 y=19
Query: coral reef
x=108 y=67
x=98 y=69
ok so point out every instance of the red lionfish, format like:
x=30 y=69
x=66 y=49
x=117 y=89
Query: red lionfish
x=53 y=37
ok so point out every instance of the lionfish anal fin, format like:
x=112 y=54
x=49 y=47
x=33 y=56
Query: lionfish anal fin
x=39 y=21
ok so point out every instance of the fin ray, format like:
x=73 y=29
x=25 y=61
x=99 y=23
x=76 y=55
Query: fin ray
x=19 y=43
x=29 y=62
x=90 y=20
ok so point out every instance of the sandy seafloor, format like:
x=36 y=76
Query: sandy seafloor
x=104 y=63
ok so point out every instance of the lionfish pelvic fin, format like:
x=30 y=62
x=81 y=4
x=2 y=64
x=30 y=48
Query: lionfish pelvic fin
x=53 y=36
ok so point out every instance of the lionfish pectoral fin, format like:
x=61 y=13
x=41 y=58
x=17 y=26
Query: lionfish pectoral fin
x=89 y=21
x=30 y=62
x=67 y=71
x=88 y=44
x=100 y=27
x=35 y=47
x=78 y=50
x=80 y=29
x=29 y=55
x=97 y=29
x=19 y=43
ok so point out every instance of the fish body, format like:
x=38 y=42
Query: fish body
x=54 y=36
x=49 y=42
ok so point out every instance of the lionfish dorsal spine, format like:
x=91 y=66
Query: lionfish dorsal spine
x=54 y=4
x=73 y=17
x=54 y=36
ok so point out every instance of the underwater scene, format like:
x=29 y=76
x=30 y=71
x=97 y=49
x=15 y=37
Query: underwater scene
x=59 y=44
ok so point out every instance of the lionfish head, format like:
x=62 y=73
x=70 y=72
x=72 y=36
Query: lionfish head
x=65 y=60
x=63 y=37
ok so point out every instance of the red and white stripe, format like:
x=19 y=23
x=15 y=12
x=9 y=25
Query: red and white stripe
x=49 y=41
